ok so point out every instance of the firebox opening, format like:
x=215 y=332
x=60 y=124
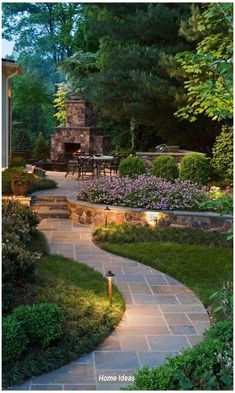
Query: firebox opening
x=71 y=148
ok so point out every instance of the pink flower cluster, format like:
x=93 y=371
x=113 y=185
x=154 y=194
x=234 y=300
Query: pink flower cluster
x=146 y=191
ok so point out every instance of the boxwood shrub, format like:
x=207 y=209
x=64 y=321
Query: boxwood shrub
x=14 y=339
x=41 y=322
x=131 y=166
x=207 y=366
x=165 y=167
x=195 y=167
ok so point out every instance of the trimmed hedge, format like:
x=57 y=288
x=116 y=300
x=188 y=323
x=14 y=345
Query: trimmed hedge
x=132 y=167
x=207 y=366
x=195 y=167
x=165 y=167
x=41 y=322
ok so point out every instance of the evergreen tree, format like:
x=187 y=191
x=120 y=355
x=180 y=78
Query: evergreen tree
x=41 y=151
x=128 y=77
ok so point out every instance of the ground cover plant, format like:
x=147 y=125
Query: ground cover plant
x=127 y=233
x=145 y=191
x=52 y=315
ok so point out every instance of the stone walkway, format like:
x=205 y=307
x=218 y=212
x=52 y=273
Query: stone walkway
x=65 y=185
x=162 y=316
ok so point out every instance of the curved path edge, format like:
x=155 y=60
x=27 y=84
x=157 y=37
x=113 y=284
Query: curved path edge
x=162 y=317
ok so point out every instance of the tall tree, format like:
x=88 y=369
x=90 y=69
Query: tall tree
x=208 y=70
x=127 y=79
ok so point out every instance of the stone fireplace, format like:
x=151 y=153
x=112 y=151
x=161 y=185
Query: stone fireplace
x=79 y=134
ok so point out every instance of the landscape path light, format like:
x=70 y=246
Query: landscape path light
x=107 y=209
x=110 y=276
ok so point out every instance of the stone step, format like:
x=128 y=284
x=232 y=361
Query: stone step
x=38 y=205
x=56 y=213
x=49 y=199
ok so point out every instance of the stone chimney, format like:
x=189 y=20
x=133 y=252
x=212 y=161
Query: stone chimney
x=79 y=113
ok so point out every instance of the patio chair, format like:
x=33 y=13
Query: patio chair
x=112 y=166
x=86 y=166
x=72 y=167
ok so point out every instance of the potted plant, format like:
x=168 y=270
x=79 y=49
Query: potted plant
x=20 y=182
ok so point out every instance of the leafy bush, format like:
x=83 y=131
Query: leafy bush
x=127 y=233
x=17 y=162
x=19 y=223
x=18 y=265
x=6 y=179
x=222 y=303
x=14 y=339
x=22 y=178
x=222 y=151
x=42 y=150
x=24 y=218
x=195 y=167
x=132 y=167
x=41 y=183
x=207 y=366
x=224 y=205
x=165 y=167
x=145 y=191
x=42 y=322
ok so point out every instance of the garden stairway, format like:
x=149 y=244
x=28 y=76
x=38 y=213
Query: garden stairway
x=50 y=207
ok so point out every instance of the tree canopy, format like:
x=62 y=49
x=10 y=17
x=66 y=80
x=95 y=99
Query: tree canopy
x=209 y=69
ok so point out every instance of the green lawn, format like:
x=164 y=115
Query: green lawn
x=203 y=269
x=81 y=293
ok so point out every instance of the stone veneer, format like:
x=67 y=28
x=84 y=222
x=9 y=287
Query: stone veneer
x=94 y=214
x=80 y=129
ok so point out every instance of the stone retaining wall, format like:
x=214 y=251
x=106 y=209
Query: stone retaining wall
x=94 y=214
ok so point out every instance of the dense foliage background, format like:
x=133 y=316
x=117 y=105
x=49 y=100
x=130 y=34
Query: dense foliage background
x=155 y=73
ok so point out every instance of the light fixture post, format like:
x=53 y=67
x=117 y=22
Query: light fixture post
x=110 y=276
x=107 y=209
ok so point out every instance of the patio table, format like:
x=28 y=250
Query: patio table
x=98 y=160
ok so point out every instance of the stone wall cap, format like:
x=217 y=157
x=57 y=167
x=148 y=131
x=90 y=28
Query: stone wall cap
x=140 y=210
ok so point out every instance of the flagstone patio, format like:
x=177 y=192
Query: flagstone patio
x=162 y=316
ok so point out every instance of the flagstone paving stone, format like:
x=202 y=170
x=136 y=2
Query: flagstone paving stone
x=162 y=316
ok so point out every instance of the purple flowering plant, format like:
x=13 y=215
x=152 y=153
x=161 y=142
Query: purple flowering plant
x=145 y=191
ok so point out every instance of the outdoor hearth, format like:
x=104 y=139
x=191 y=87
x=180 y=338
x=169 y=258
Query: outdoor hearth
x=79 y=134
